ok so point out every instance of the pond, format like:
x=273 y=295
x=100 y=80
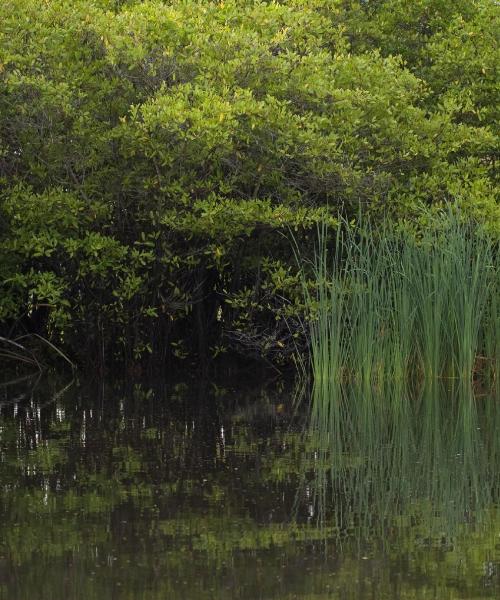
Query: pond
x=242 y=490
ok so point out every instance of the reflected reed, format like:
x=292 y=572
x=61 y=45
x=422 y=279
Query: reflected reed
x=380 y=461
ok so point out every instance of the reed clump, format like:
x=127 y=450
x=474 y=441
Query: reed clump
x=386 y=305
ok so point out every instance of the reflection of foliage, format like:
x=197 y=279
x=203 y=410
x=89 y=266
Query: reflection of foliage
x=220 y=539
x=137 y=500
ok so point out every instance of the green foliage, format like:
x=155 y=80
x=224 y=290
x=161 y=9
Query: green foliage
x=152 y=153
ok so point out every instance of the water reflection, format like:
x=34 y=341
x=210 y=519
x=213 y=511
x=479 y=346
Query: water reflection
x=410 y=476
x=381 y=453
x=149 y=491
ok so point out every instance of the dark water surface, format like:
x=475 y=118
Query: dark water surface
x=198 y=491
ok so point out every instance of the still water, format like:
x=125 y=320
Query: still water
x=199 y=491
